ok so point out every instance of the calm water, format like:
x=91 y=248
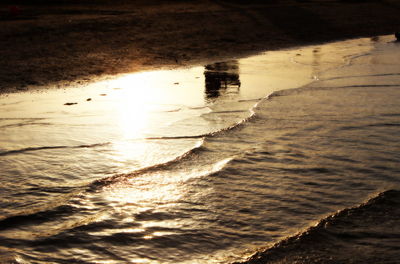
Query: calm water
x=199 y=165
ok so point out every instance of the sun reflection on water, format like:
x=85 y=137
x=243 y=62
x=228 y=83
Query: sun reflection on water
x=158 y=188
x=133 y=113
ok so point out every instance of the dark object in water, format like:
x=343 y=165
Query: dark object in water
x=89 y=99
x=221 y=76
x=397 y=35
x=70 y=103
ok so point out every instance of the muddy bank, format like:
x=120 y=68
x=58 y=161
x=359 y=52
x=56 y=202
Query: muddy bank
x=50 y=41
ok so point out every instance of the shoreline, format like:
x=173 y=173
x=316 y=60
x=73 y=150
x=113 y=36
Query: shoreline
x=307 y=246
x=67 y=43
x=319 y=243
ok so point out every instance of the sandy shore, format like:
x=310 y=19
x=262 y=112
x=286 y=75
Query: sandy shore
x=51 y=41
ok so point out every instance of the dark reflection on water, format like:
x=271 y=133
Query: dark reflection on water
x=221 y=76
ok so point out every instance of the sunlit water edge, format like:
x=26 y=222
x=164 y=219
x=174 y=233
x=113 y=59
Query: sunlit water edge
x=219 y=108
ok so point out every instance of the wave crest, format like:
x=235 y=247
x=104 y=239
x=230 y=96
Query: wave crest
x=363 y=234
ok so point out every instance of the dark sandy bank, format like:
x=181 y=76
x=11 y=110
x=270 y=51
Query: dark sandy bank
x=46 y=41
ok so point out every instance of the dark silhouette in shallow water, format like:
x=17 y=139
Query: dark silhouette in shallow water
x=220 y=76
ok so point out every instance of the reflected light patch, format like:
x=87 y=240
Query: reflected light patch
x=158 y=234
x=107 y=232
x=134 y=106
x=160 y=187
x=146 y=102
x=127 y=151
x=148 y=191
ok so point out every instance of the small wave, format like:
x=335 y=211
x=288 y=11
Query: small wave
x=281 y=93
x=198 y=107
x=360 y=86
x=27 y=124
x=177 y=137
x=368 y=233
x=229 y=112
x=39 y=215
x=370 y=125
x=250 y=100
x=356 y=56
x=23 y=150
x=291 y=91
x=55 y=207
x=360 y=76
x=115 y=178
x=174 y=110
x=214 y=133
x=31 y=227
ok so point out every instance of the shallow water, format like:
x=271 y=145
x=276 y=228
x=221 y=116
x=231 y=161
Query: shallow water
x=199 y=165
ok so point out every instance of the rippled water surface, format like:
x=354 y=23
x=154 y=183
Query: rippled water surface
x=199 y=165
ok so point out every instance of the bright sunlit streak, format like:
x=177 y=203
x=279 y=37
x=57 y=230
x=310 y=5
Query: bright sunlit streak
x=150 y=188
x=134 y=105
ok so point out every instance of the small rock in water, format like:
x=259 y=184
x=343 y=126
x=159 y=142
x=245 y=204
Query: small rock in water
x=89 y=99
x=70 y=103
x=176 y=83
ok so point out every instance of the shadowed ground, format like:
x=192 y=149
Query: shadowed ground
x=47 y=41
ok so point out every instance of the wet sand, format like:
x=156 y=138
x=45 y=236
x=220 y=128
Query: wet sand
x=62 y=42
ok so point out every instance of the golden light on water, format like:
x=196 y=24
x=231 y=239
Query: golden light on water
x=147 y=171
x=133 y=112
x=158 y=188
